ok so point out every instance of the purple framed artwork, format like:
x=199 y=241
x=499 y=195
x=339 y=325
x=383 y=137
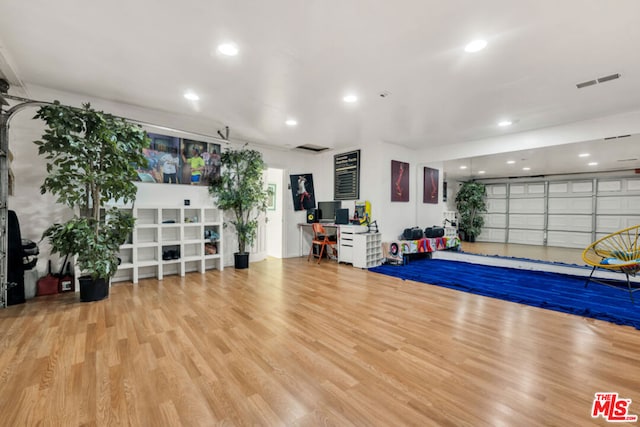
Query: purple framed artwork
x=399 y=181
x=430 y=186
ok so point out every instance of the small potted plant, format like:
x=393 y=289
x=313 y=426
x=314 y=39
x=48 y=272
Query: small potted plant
x=240 y=189
x=470 y=202
x=91 y=160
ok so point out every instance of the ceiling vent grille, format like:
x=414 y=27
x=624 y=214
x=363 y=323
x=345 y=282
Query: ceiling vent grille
x=598 y=80
x=616 y=137
x=608 y=78
x=586 y=84
x=312 y=148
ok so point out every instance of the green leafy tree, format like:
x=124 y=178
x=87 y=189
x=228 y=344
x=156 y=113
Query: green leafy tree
x=240 y=189
x=91 y=159
x=470 y=202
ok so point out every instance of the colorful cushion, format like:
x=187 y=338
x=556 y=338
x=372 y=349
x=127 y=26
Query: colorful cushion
x=617 y=261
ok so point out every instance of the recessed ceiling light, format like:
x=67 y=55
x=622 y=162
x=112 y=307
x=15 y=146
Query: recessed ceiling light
x=510 y=162
x=475 y=46
x=463 y=167
x=481 y=172
x=593 y=163
x=350 y=98
x=526 y=168
x=505 y=123
x=191 y=96
x=228 y=49
x=584 y=155
x=291 y=122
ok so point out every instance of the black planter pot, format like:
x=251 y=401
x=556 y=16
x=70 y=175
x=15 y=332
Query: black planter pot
x=241 y=260
x=93 y=290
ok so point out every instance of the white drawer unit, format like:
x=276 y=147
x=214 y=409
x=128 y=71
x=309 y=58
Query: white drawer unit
x=367 y=250
x=346 y=235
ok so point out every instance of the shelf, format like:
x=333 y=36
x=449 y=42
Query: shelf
x=151 y=237
x=139 y=226
x=149 y=263
x=145 y=245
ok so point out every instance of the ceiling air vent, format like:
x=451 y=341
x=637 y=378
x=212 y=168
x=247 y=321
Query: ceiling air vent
x=608 y=78
x=585 y=84
x=311 y=147
x=598 y=80
x=616 y=137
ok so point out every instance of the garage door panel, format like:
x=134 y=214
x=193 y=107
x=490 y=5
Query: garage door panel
x=497 y=205
x=611 y=223
x=566 y=239
x=619 y=205
x=571 y=205
x=495 y=220
x=570 y=223
x=526 y=237
x=531 y=222
x=526 y=205
x=492 y=235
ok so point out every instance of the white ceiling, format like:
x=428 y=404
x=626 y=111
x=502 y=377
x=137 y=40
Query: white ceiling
x=299 y=58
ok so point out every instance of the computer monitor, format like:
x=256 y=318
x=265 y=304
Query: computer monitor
x=328 y=210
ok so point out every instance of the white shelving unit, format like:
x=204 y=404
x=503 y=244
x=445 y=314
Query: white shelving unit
x=171 y=240
x=449 y=218
x=367 y=250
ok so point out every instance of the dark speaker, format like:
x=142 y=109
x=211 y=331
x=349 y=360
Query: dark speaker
x=342 y=216
x=312 y=215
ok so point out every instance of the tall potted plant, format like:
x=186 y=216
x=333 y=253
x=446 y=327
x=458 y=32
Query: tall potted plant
x=91 y=159
x=470 y=202
x=240 y=189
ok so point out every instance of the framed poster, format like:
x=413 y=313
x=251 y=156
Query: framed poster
x=170 y=161
x=346 y=176
x=302 y=192
x=399 y=181
x=430 y=185
x=271 y=200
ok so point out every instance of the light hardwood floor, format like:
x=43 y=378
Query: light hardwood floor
x=294 y=343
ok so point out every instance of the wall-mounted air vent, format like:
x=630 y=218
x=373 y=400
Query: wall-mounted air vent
x=598 y=80
x=311 y=147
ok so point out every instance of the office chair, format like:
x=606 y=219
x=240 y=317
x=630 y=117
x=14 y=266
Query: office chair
x=321 y=239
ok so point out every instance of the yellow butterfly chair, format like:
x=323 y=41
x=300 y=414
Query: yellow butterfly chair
x=619 y=252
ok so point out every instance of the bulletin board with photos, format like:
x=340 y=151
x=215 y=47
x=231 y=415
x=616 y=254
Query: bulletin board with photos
x=173 y=160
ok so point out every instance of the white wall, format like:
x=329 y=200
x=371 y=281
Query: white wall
x=375 y=186
x=275 y=217
x=36 y=212
x=375 y=176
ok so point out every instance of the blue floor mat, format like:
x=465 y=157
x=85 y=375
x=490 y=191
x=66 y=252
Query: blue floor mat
x=553 y=291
